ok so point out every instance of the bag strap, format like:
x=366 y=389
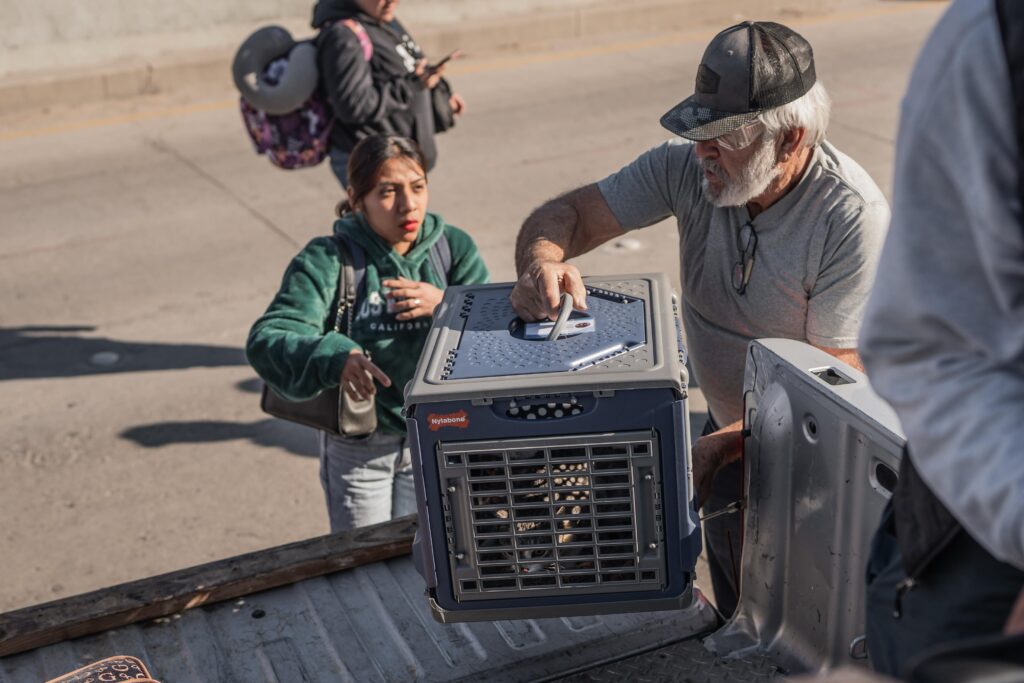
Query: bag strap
x=441 y=259
x=1011 y=28
x=362 y=35
x=350 y=278
x=352 y=25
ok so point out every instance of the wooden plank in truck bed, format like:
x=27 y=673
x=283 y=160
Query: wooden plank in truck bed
x=167 y=594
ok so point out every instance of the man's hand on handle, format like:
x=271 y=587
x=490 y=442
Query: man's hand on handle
x=538 y=291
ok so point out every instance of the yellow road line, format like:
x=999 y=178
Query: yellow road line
x=486 y=66
x=70 y=126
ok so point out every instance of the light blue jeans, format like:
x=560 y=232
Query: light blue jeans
x=366 y=480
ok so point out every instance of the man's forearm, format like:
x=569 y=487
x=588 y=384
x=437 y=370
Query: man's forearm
x=727 y=442
x=546 y=235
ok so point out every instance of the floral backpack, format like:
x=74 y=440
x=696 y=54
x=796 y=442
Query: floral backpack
x=298 y=138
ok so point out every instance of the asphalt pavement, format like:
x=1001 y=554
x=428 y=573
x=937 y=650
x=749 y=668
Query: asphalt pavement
x=139 y=240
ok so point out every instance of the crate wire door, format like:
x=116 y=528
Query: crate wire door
x=553 y=515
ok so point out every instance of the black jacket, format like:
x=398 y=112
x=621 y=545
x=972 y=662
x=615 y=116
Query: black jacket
x=382 y=96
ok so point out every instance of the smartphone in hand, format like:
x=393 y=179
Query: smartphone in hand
x=454 y=54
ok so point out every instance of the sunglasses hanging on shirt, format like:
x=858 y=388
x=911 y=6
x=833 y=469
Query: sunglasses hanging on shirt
x=742 y=269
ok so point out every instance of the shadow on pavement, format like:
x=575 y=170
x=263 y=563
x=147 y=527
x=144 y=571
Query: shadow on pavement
x=37 y=352
x=269 y=433
x=250 y=386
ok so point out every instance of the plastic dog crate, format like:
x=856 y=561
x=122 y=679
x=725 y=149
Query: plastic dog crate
x=553 y=477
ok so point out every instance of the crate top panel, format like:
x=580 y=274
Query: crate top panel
x=478 y=347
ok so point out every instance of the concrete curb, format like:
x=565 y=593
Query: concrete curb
x=203 y=71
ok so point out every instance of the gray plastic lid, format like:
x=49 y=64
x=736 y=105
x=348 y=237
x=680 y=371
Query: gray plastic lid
x=476 y=349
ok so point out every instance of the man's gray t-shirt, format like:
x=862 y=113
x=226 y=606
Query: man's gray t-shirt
x=817 y=249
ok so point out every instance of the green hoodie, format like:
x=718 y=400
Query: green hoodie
x=293 y=350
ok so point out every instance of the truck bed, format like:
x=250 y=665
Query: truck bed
x=368 y=623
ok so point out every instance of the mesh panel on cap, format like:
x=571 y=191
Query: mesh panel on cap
x=783 y=66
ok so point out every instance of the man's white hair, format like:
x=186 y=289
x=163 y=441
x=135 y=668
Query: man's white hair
x=810 y=111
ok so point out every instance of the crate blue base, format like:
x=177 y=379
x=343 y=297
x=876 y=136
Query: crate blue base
x=662 y=412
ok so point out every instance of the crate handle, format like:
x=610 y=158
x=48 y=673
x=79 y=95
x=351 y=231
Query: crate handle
x=563 y=317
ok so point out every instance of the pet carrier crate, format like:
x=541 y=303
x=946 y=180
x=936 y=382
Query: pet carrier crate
x=553 y=477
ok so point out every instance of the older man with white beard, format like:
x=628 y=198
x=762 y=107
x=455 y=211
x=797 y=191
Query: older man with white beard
x=779 y=237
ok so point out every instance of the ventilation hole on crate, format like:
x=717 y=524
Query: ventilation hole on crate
x=641 y=449
x=530 y=499
x=606 y=465
x=492 y=557
x=481 y=458
x=578 y=579
x=526 y=455
x=527 y=470
x=575 y=538
x=497 y=584
x=539 y=581
x=648 y=576
x=533 y=527
x=537 y=568
x=603 y=508
x=577 y=453
x=612 y=494
x=490 y=515
x=616 y=449
x=611 y=480
x=606 y=550
x=618 y=577
x=572 y=510
x=605 y=522
x=489 y=501
x=485 y=486
x=625 y=563
x=577 y=566
x=498 y=570
x=469 y=586
x=486 y=472
x=536 y=554
x=455 y=459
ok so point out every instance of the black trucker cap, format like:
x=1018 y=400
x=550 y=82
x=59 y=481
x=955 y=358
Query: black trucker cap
x=746 y=69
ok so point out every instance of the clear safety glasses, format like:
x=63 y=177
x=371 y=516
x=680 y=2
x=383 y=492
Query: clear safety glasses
x=741 y=137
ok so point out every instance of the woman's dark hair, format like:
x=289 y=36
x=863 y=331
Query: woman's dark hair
x=366 y=161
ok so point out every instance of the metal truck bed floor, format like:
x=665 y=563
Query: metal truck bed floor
x=684 y=662
x=367 y=624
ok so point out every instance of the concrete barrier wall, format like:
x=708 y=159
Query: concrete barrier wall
x=70 y=51
x=41 y=22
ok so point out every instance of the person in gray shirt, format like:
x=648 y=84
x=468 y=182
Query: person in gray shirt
x=943 y=342
x=779 y=235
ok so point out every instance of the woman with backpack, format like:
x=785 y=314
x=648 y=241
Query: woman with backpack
x=398 y=249
x=376 y=79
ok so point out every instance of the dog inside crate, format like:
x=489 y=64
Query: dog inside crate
x=544 y=524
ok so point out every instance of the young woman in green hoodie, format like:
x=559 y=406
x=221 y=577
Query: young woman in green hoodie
x=295 y=349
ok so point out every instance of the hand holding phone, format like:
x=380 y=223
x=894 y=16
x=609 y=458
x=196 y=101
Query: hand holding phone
x=454 y=54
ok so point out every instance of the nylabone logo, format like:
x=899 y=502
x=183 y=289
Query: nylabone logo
x=457 y=419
